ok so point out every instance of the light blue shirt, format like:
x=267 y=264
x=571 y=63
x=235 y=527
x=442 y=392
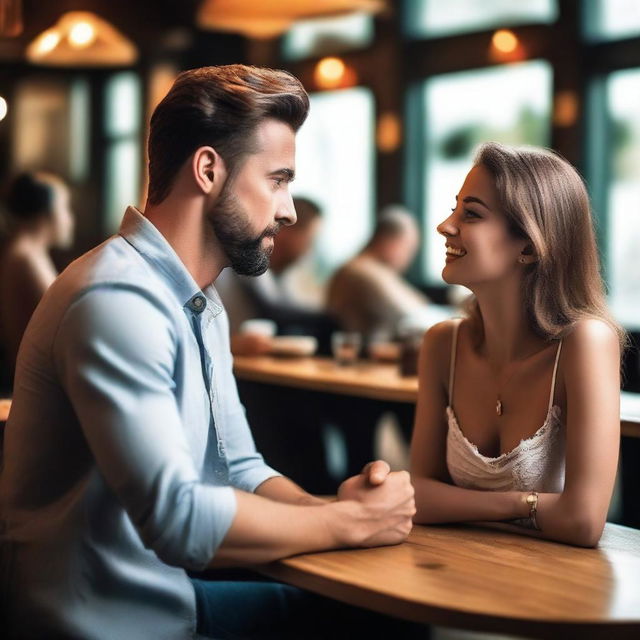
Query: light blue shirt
x=125 y=437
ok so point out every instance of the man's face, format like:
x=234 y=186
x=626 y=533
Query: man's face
x=254 y=206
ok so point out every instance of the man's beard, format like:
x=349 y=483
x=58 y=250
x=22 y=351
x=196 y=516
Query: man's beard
x=230 y=223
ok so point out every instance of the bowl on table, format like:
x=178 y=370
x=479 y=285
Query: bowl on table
x=293 y=346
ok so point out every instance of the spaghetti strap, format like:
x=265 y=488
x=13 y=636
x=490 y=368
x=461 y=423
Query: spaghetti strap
x=553 y=380
x=452 y=362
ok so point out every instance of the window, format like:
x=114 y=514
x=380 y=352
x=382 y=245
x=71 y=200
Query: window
x=510 y=104
x=326 y=36
x=334 y=167
x=122 y=133
x=612 y=19
x=623 y=195
x=437 y=18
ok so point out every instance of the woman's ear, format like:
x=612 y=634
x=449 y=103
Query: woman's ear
x=209 y=170
x=528 y=255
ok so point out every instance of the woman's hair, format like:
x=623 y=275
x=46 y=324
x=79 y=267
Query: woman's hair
x=545 y=201
x=29 y=196
x=218 y=107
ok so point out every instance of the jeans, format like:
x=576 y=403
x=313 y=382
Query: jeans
x=250 y=610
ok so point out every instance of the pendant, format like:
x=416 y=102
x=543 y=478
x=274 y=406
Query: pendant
x=499 y=407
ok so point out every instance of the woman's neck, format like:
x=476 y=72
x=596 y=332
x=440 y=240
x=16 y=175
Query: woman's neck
x=507 y=332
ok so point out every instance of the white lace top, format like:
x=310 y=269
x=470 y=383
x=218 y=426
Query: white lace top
x=536 y=464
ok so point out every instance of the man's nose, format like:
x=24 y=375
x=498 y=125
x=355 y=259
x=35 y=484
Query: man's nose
x=286 y=214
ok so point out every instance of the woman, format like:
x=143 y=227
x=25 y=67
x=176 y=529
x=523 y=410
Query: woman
x=517 y=422
x=38 y=218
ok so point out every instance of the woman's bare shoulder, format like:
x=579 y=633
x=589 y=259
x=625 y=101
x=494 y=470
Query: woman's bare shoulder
x=438 y=339
x=591 y=334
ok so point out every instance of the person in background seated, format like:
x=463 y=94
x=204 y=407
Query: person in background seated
x=268 y=295
x=368 y=294
x=38 y=218
x=128 y=457
x=518 y=418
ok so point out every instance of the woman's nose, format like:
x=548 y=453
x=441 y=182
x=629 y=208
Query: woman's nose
x=447 y=227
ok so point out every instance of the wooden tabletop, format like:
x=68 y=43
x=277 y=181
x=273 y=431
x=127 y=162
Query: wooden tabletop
x=480 y=579
x=363 y=379
x=369 y=380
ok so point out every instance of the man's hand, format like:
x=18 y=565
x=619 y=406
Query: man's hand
x=384 y=506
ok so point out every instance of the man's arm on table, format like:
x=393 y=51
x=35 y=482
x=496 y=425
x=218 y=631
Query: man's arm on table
x=122 y=394
x=365 y=514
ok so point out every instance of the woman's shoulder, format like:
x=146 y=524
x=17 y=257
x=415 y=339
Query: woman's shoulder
x=589 y=341
x=439 y=338
x=591 y=333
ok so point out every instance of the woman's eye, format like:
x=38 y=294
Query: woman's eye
x=470 y=214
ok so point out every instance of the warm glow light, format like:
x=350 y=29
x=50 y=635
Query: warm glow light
x=331 y=69
x=82 y=34
x=48 y=41
x=505 y=41
x=81 y=39
x=389 y=132
x=566 y=107
x=3 y=108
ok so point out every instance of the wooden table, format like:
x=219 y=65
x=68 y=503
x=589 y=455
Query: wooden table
x=380 y=381
x=485 y=580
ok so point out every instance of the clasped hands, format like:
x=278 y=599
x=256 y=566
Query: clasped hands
x=387 y=501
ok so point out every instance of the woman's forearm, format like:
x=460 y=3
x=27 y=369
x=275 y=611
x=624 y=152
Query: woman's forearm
x=558 y=517
x=439 y=502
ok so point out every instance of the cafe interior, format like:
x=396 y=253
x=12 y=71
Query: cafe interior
x=402 y=92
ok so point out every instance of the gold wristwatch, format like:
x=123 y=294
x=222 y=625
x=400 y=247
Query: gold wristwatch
x=532 y=501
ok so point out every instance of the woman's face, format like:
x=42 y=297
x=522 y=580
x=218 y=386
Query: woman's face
x=62 y=219
x=479 y=246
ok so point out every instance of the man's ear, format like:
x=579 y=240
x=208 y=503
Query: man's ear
x=208 y=170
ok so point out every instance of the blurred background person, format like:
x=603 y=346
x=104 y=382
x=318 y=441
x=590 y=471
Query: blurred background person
x=270 y=296
x=368 y=294
x=38 y=218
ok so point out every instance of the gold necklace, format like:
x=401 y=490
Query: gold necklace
x=499 y=404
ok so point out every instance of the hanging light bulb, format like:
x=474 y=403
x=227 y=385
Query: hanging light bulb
x=82 y=39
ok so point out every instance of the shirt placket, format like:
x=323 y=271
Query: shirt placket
x=198 y=306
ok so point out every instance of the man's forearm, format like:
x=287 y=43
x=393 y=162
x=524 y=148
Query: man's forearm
x=281 y=489
x=264 y=530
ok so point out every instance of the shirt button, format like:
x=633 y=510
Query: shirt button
x=198 y=303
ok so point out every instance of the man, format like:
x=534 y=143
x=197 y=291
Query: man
x=368 y=294
x=127 y=455
x=270 y=296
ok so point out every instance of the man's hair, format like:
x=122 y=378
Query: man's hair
x=306 y=211
x=393 y=221
x=218 y=107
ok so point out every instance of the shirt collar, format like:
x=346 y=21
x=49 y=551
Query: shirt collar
x=145 y=238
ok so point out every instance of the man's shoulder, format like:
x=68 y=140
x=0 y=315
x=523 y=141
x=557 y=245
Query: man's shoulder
x=113 y=263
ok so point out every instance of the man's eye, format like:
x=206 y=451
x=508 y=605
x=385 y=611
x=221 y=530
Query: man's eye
x=278 y=181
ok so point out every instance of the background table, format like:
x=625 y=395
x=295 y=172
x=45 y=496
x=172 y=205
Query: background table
x=486 y=580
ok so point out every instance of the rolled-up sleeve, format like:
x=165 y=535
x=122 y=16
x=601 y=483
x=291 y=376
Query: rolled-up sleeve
x=115 y=352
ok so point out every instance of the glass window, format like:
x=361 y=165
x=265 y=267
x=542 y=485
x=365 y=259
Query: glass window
x=325 y=36
x=623 y=196
x=334 y=166
x=612 y=19
x=509 y=104
x=436 y=18
x=122 y=133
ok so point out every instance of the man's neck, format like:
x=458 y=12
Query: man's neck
x=184 y=226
